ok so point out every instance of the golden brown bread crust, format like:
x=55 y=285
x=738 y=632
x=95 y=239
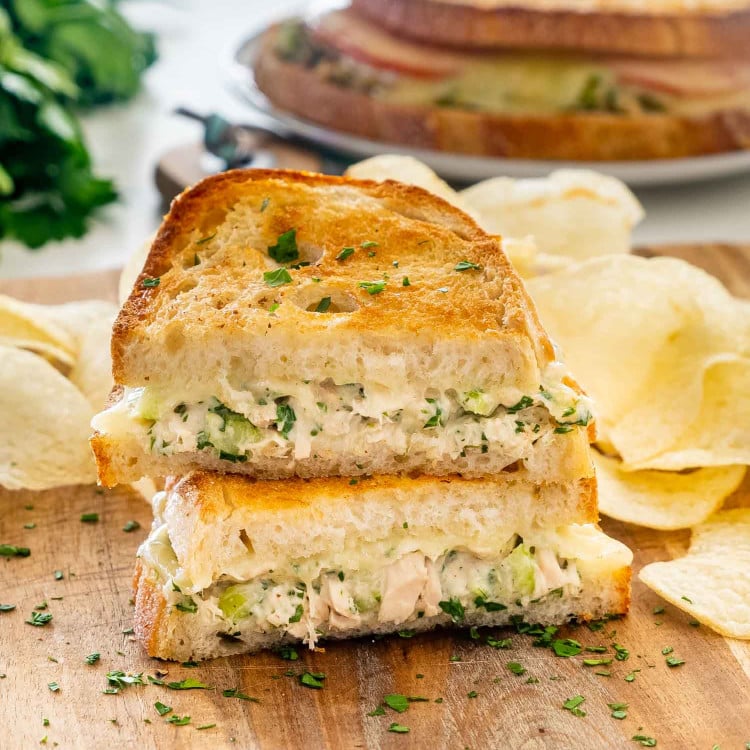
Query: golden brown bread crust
x=582 y=136
x=213 y=496
x=467 y=308
x=665 y=34
x=150 y=615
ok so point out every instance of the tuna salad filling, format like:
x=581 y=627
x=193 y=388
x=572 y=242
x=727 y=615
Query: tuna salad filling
x=302 y=420
x=305 y=599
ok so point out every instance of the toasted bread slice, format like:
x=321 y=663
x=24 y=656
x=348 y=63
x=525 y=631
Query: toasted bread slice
x=670 y=123
x=234 y=565
x=666 y=28
x=290 y=324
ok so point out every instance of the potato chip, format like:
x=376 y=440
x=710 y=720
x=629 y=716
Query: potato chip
x=660 y=499
x=711 y=583
x=132 y=271
x=576 y=213
x=411 y=171
x=644 y=337
x=45 y=425
x=22 y=326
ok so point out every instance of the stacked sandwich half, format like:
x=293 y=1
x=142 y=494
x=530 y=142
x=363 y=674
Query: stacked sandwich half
x=363 y=425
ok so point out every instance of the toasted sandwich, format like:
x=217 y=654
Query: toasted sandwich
x=233 y=565
x=353 y=70
x=292 y=324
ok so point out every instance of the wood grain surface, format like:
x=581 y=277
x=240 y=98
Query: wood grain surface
x=703 y=704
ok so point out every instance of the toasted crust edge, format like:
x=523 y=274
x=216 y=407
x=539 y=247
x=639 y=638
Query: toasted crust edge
x=150 y=616
x=562 y=137
x=696 y=34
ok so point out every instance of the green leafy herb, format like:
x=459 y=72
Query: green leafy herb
x=372 y=287
x=161 y=708
x=279 y=277
x=504 y=643
x=367 y=244
x=150 y=282
x=572 y=705
x=398 y=728
x=481 y=601
x=619 y=710
x=204 y=240
x=406 y=633
x=7 y=607
x=89 y=518
x=596 y=662
x=39 y=619
x=288 y=653
x=454 y=608
x=131 y=526
x=189 y=684
x=379 y=711
x=566 y=647
x=285 y=250
x=236 y=693
x=345 y=253
x=465 y=265
x=93 y=658
x=312 y=680
x=323 y=305
x=187 y=604
x=264 y=204
x=298 y=612
x=119 y=680
x=285 y=419
x=516 y=668
x=658 y=610
x=405 y=281
x=673 y=661
x=631 y=677
x=684 y=598
x=524 y=403
x=10 y=550
x=621 y=653
x=397 y=702
x=204 y=726
x=472 y=694
x=643 y=740
x=179 y=721
x=53 y=686
x=436 y=420
x=667 y=650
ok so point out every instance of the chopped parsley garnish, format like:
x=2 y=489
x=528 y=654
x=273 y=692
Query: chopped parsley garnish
x=7 y=607
x=667 y=650
x=285 y=250
x=658 y=610
x=397 y=702
x=379 y=711
x=298 y=612
x=312 y=680
x=151 y=282
x=367 y=244
x=89 y=518
x=503 y=643
x=285 y=419
x=204 y=240
x=596 y=662
x=619 y=710
x=684 y=598
x=189 y=684
x=466 y=265
x=323 y=305
x=264 y=204
x=405 y=281
x=524 y=403
x=643 y=740
x=59 y=575
x=204 y=726
x=10 y=550
x=372 y=287
x=454 y=608
x=572 y=705
x=39 y=619
x=131 y=526
x=673 y=661
x=288 y=653
x=472 y=694
x=621 y=653
x=398 y=728
x=474 y=633
x=406 y=633
x=596 y=649
x=93 y=658
x=563 y=429
x=53 y=686
x=516 y=668
x=161 y=708
x=631 y=677
x=236 y=693
x=436 y=420
x=187 y=605
x=345 y=253
x=481 y=601
x=179 y=721
x=119 y=680
x=279 y=277
x=566 y=647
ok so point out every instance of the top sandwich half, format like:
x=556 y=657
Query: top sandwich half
x=296 y=324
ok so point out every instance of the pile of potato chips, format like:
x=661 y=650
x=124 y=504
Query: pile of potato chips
x=55 y=373
x=663 y=349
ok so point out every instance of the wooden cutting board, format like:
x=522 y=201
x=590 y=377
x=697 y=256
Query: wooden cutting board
x=703 y=704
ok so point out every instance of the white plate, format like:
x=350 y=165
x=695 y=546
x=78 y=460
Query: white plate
x=463 y=168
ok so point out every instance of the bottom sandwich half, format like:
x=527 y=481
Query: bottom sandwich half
x=235 y=566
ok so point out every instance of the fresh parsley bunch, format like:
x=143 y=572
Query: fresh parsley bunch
x=55 y=54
